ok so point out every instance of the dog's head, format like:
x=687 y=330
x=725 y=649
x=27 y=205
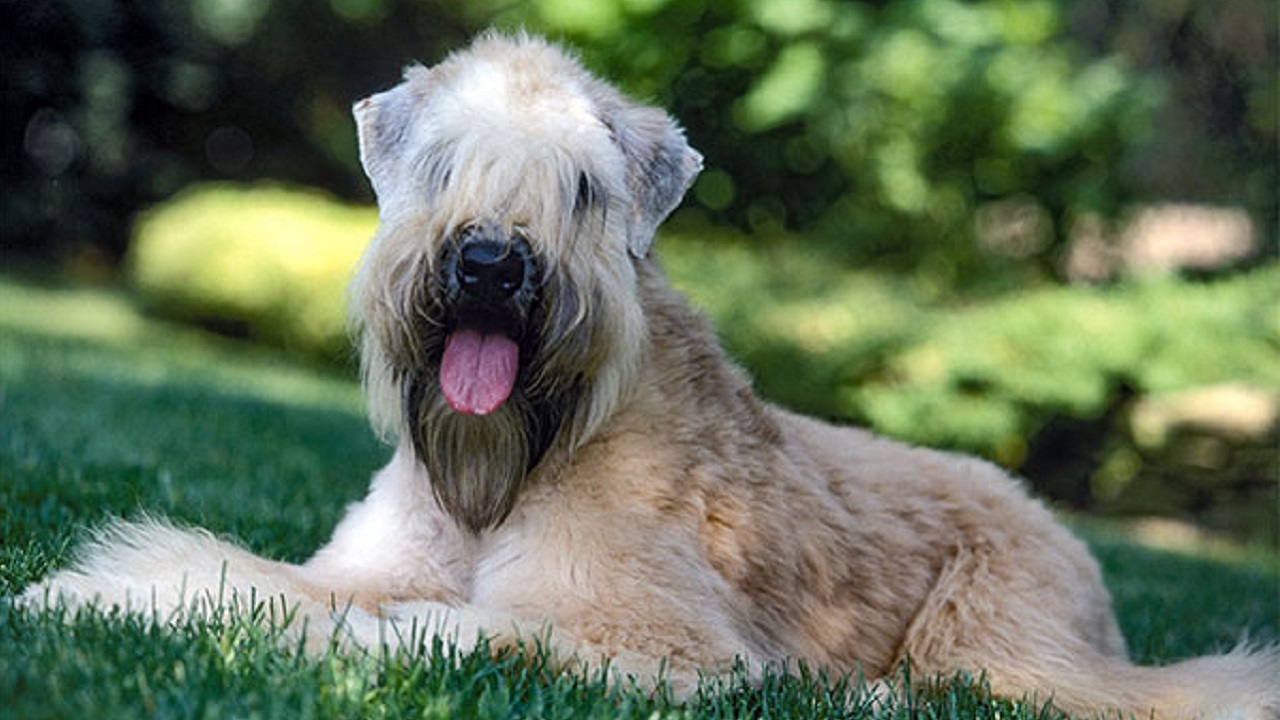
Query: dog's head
x=498 y=301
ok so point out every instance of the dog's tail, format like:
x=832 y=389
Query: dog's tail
x=152 y=568
x=1240 y=685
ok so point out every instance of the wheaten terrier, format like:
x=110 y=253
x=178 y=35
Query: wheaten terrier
x=578 y=463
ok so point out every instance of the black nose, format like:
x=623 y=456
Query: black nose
x=487 y=268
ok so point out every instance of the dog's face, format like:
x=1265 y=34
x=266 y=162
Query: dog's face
x=498 y=301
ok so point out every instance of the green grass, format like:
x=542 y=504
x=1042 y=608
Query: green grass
x=105 y=413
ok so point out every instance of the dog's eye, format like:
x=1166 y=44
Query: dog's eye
x=586 y=194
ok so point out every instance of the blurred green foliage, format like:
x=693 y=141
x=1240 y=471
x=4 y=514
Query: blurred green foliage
x=881 y=127
x=266 y=262
x=985 y=378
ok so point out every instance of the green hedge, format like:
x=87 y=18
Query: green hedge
x=269 y=262
x=984 y=378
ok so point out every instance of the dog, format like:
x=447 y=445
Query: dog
x=578 y=463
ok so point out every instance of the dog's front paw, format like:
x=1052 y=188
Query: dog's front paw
x=419 y=622
x=409 y=626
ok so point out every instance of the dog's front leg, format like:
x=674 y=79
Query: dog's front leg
x=626 y=654
x=409 y=627
x=396 y=545
x=170 y=574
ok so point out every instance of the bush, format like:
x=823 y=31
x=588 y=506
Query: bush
x=988 y=378
x=266 y=262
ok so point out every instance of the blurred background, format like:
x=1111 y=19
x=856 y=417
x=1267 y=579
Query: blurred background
x=1043 y=231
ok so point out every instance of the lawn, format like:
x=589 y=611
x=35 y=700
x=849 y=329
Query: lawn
x=105 y=413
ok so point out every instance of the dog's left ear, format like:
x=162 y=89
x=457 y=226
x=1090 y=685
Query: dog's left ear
x=382 y=126
x=660 y=168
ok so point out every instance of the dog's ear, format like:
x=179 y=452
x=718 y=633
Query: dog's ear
x=382 y=126
x=660 y=168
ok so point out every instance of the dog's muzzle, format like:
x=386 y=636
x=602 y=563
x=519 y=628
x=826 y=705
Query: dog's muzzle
x=492 y=283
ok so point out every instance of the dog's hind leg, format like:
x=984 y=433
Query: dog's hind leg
x=1056 y=644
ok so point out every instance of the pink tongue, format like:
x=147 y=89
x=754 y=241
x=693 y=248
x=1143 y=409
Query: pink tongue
x=478 y=371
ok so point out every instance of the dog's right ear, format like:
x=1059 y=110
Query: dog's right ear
x=382 y=126
x=660 y=168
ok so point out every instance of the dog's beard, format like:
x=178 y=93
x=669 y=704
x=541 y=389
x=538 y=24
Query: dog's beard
x=477 y=464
